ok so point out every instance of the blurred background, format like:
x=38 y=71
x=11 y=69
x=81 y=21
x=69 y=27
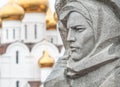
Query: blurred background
x=30 y=42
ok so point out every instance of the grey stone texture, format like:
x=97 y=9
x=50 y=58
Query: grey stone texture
x=90 y=30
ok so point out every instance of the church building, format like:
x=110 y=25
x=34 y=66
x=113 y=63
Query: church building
x=30 y=43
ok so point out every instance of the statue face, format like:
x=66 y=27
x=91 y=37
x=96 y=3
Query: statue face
x=80 y=36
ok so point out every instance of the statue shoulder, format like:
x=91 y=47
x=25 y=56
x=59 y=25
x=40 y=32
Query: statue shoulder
x=113 y=80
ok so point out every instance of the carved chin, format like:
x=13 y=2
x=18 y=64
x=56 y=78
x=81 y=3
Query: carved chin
x=76 y=57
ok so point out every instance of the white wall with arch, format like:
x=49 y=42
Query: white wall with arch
x=18 y=49
x=37 y=52
x=21 y=63
x=38 y=49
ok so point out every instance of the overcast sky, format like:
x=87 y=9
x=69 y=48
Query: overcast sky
x=3 y=2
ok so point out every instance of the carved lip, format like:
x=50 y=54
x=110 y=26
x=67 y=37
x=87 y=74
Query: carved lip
x=74 y=49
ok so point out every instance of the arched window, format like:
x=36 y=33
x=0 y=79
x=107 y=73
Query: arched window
x=17 y=84
x=7 y=33
x=51 y=40
x=13 y=33
x=17 y=57
x=25 y=31
x=35 y=33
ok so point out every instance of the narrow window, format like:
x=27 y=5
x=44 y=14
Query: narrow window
x=25 y=31
x=14 y=34
x=51 y=40
x=7 y=34
x=17 y=83
x=35 y=31
x=17 y=57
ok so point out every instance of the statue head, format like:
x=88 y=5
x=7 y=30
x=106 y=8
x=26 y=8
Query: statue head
x=90 y=26
x=80 y=36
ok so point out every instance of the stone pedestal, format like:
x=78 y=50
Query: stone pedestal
x=34 y=83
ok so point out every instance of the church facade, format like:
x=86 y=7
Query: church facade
x=30 y=43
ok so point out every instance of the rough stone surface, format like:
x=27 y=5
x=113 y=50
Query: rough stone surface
x=90 y=30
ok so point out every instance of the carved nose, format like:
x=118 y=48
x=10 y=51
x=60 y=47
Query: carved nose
x=71 y=39
x=70 y=36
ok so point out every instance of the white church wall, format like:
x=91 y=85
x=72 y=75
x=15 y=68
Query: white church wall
x=51 y=36
x=37 y=52
x=38 y=49
x=5 y=71
x=10 y=31
x=20 y=67
x=0 y=75
x=5 y=83
x=35 y=17
x=54 y=37
x=23 y=71
x=33 y=27
x=26 y=68
x=14 y=82
x=19 y=49
x=5 y=66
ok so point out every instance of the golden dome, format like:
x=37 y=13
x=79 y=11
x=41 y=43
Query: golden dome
x=0 y=23
x=56 y=17
x=11 y=11
x=50 y=21
x=46 y=60
x=34 y=5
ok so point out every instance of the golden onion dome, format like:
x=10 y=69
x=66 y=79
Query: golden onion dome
x=46 y=60
x=56 y=17
x=11 y=11
x=50 y=21
x=0 y=23
x=34 y=5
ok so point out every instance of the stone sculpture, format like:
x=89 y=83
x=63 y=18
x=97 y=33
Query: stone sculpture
x=90 y=30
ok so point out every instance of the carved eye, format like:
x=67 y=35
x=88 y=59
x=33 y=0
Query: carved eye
x=79 y=28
